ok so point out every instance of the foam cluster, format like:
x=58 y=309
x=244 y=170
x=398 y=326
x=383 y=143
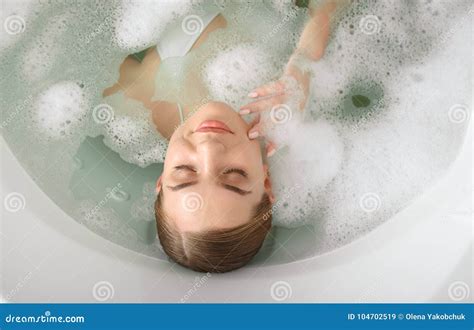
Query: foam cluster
x=232 y=73
x=59 y=111
x=310 y=156
x=140 y=23
x=128 y=130
x=387 y=112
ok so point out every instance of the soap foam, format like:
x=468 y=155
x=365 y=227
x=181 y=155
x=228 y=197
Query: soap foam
x=388 y=108
x=128 y=130
x=60 y=110
x=140 y=23
x=232 y=73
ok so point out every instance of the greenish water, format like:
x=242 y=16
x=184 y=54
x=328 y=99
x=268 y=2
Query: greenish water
x=100 y=169
x=97 y=175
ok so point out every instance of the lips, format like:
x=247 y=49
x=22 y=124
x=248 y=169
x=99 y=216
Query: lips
x=213 y=126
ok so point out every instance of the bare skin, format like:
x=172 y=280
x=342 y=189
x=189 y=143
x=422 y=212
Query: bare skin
x=312 y=44
x=223 y=171
x=137 y=81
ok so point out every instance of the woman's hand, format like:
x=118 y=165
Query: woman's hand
x=253 y=133
x=292 y=87
x=282 y=93
x=288 y=93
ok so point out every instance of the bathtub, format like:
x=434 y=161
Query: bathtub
x=422 y=254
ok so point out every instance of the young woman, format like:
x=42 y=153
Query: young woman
x=214 y=204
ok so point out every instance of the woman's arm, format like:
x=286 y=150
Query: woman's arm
x=315 y=35
x=310 y=47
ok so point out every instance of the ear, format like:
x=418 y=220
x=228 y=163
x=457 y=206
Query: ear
x=267 y=184
x=158 y=185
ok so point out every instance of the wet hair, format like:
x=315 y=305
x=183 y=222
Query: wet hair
x=215 y=251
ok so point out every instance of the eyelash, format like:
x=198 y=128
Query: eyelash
x=235 y=170
x=185 y=167
x=227 y=171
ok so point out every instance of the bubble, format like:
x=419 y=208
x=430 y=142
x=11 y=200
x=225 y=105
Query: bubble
x=232 y=73
x=60 y=110
x=378 y=120
x=132 y=33
x=127 y=129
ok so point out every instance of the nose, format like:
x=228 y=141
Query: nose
x=210 y=151
x=210 y=146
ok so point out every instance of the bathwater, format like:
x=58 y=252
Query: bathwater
x=388 y=109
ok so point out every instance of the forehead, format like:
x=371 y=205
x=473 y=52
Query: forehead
x=191 y=211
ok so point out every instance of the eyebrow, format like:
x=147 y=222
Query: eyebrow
x=225 y=186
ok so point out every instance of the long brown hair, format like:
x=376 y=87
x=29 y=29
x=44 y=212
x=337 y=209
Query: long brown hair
x=215 y=251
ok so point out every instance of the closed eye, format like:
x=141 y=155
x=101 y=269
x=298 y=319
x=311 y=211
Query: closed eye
x=182 y=186
x=235 y=170
x=236 y=190
x=226 y=186
x=185 y=167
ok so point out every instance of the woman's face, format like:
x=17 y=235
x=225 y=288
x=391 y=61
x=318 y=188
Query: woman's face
x=213 y=174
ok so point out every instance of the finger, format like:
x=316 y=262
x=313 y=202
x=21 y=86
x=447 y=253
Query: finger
x=255 y=121
x=268 y=89
x=262 y=104
x=255 y=132
x=256 y=128
x=270 y=149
